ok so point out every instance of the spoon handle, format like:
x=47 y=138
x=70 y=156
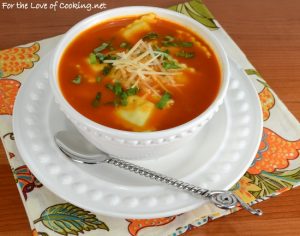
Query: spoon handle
x=222 y=199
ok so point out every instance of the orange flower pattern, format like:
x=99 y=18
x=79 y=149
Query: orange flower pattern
x=274 y=153
x=267 y=102
x=136 y=225
x=243 y=189
x=8 y=92
x=267 y=99
x=35 y=233
x=13 y=61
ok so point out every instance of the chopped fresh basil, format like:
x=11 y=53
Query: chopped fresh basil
x=123 y=99
x=101 y=47
x=124 y=45
x=1 y=73
x=185 y=54
x=96 y=101
x=106 y=70
x=132 y=91
x=101 y=57
x=170 y=65
x=169 y=41
x=117 y=89
x=150 y=36
x=121 y=95
x=92 y=58
x=163 y=100
x=169 y=38
x=111 y=57
x=169 y=44
x=77 y=79
x=165 y=53
x=186 y=44
x=109 y=86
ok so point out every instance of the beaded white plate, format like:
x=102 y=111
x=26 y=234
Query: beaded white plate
x=215 y=159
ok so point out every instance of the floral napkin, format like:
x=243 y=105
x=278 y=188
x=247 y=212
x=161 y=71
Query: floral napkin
x=275 y=169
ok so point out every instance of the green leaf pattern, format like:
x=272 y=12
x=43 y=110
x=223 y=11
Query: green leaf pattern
x=67 y=219
x=253 y=72
x=270 y=183
x=198 y=11
x=256 y=73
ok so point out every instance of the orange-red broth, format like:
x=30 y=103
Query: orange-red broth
x=190 y=100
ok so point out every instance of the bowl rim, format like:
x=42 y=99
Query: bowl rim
x=103 y=16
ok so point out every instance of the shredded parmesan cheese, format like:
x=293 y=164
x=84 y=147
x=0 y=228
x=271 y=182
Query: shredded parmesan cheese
x=143 y=67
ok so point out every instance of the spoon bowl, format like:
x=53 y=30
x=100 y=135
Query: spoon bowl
x=78 y=149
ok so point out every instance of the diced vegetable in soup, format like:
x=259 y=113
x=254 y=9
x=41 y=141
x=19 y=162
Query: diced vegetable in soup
x=139 y=73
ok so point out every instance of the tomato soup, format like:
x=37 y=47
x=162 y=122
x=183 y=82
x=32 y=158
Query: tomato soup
x=141 y=73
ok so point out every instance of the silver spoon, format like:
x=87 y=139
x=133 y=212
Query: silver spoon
x=74 y=146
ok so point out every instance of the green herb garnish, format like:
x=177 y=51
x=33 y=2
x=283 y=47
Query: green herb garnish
x=121 y=95
x=1 y=73
x=124 y=45
x=110 y=57
x=169 y=41
x=77 y=79
x=132 y=91
x=106 y=70
x=92 y=58
x=123 y=99
x=117 y=88
x=170 y=65
x=185 y=54
x=186 y=44
x=150 y=36
x=169 y=38
x=169 y=44
x=166 y=97
x=96 y=101
x=101 y=57
x=165 y=53
x=110 y=87
x=101 y=47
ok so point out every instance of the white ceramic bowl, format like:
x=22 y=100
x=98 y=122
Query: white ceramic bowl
x=135 y=145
